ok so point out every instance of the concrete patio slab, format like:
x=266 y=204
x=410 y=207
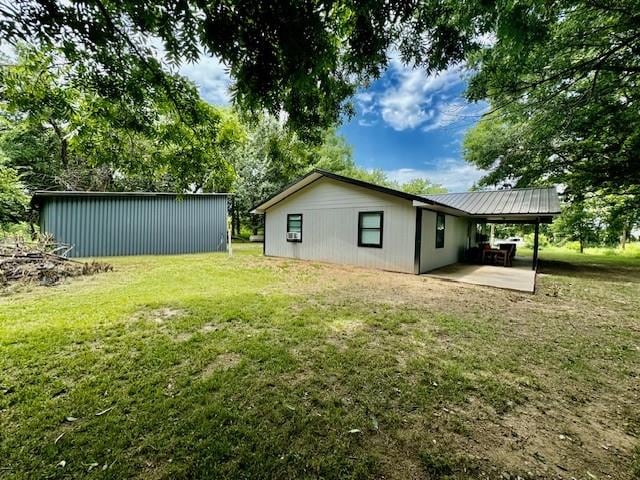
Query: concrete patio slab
x=520 y=277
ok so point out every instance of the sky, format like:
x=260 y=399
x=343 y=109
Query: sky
x=407 y=123
x=411 y=124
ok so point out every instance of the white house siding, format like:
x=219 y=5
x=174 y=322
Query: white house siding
x=455 y=241
x=330 y=226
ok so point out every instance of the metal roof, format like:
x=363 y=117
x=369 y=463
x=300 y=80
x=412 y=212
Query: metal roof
x=516 y=201
x=74 y=193
x=39 y=196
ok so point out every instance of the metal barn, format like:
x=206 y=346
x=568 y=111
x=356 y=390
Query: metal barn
x=141 y=223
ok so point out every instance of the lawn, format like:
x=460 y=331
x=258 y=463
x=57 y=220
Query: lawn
x=205 y=366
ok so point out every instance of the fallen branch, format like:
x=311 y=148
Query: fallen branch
x=42 y=261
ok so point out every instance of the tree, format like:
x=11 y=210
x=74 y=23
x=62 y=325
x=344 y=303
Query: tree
x=620 y=215
x=13 y=199
x=422 y=186
x=273 y=157
x=564 y=90
x=306 y=58
x=578 y=222
x=61 y=135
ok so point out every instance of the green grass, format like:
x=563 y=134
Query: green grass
x=630 y=256
x=249 y=367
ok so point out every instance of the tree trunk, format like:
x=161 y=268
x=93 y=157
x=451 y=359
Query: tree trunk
x=64 y=145
x=581 y=245
x=623 y=238
x=236 y=221
x=235 y=218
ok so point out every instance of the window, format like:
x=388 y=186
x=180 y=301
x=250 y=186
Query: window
x=440 y=230
x=370 y=229
x=294 y=227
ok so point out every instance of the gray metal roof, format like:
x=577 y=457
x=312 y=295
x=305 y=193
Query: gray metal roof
x=516 y=201
x=73 y=193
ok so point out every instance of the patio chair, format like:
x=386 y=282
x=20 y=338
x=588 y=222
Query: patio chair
x=510 y=250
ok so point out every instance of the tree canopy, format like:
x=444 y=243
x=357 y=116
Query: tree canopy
x=562 y=74
x=303 y=57
x=564 y=91
x=13 y=199
x=61 y=134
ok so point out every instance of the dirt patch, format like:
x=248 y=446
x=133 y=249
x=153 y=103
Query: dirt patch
x=183 y=337
x=549 y=440
x=161 y=315
x=210 y=327
x=222 y=362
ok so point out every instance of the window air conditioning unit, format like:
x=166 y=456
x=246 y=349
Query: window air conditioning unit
x=293 y=235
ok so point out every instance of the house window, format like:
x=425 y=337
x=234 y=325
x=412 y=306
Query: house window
x=370 y=229
x=440 y=230
x=294 y=227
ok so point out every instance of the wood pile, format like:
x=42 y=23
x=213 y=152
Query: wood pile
x=42 y=261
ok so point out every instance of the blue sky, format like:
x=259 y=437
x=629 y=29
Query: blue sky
x=408 y=123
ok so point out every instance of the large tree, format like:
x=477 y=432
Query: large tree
x=60 y=134
x=564 y=91
x=13 y=199
x=568 y=67
x=304 y=57
x=272 y=157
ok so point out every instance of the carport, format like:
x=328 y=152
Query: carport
x=534 y=206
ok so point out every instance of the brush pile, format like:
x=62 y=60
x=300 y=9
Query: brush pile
x=42 y=261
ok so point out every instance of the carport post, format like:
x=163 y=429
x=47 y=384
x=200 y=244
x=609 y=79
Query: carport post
x=535 y=246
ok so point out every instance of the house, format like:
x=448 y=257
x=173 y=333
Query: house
x=137 y=223
x=329 y=217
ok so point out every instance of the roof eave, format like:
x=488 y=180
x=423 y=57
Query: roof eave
x=319 y=173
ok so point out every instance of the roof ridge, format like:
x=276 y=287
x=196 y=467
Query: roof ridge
x=489 y=191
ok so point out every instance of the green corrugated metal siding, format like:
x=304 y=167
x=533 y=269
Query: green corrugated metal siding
x=136 y=225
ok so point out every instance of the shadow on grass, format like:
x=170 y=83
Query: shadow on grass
x=593 y=271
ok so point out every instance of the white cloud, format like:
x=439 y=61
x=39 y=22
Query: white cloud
x=412 y=99
x=409 y=103
x=209 y=74
x=454 y=175
x=366 y=123
x=211 y=77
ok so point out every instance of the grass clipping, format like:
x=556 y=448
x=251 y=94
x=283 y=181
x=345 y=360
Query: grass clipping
x=42 y=261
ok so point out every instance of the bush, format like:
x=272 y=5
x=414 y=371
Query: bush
x=543 y=241
x=20 y=230
x=14 y=201
x=572 y=245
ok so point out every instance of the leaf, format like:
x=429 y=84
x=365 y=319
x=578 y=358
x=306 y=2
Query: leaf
x=70 y=419
x=58 y=438
x=355 y=430
x=105 y=411
x=61 y=463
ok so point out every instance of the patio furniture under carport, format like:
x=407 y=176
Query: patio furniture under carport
x=533 y=206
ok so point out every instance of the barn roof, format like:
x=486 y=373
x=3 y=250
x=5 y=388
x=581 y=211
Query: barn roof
x=516 y=201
